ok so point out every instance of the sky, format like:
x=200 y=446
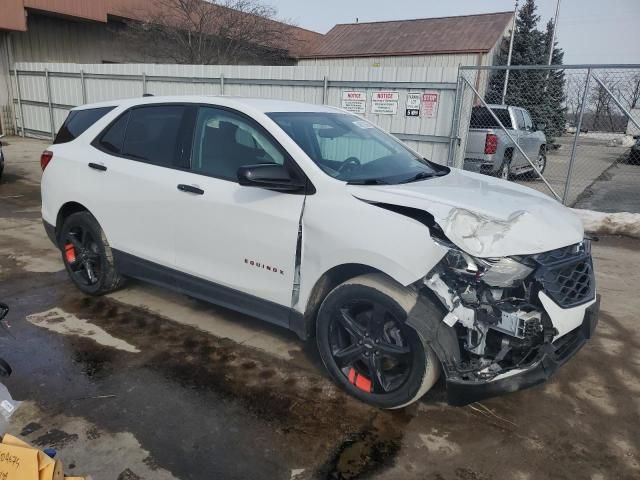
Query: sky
x=589 y=31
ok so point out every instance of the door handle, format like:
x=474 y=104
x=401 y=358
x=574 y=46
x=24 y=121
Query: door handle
x=190 y=189
x=97 y=166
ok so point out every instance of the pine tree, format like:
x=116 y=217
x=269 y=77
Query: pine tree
x=554 y=113
x=539 y=91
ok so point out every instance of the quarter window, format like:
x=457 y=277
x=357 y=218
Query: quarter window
x=224 y=141
x=152 y=134
x=78 y=121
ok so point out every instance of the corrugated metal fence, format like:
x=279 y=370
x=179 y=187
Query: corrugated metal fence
x=45 y=91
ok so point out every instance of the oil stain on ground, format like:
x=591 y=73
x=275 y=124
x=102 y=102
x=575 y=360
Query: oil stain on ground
x=324 y=428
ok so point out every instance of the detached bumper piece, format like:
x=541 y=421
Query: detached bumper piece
x=550 y=357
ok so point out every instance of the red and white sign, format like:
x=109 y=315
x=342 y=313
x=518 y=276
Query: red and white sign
x=354 y=102
x=430 y=104
x=384 y=103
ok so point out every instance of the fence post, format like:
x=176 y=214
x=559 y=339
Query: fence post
x=572 y=159
x=222 y=84
x=20 y=109
x=144 y=83
x=455 y=123
x=325 y=90
x=50 y=102
x=83 y=86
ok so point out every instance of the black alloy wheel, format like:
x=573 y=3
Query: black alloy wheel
x=368 y=345
x=82 y=255
x=87 y=255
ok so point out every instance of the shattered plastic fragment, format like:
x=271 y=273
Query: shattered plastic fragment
x=8 y=407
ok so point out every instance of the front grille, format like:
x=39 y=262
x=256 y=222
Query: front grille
x=567 y=275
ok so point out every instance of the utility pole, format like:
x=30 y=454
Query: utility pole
x=553 y=33
x=513 y=34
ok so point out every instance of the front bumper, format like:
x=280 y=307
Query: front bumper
x=550 y=357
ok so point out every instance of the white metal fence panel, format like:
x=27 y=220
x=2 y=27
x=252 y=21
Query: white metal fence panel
x=48 y=90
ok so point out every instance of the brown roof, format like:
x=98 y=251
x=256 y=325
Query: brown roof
x=426 y=36
x=13 y=16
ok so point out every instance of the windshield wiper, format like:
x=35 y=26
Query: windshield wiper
x=423 y=176
x=368 y=181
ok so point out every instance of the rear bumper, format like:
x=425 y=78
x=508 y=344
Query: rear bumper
x=551 y=357
x=479 y=165
x=51 y=232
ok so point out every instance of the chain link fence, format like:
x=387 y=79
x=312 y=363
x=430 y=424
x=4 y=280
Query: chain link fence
x=569 y=131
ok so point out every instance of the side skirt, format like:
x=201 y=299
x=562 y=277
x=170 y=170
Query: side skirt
x=132 y=266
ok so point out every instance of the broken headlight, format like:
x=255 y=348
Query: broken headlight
x=497 y=272
x=504 y=272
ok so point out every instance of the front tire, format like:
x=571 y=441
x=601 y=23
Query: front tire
x=87 y=255
x=367 y=347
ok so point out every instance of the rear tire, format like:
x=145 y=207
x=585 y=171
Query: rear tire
x=368 y=349
x=541 y=162
x=504 y=172
x=87 y=255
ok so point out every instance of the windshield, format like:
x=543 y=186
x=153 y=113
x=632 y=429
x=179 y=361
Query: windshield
x=353 y=150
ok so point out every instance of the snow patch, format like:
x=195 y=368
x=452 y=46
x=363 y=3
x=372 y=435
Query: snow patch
x=623 y=223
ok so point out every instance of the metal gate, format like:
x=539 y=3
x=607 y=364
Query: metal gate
x=570 y=130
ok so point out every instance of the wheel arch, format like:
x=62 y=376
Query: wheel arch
x=325 y=283
x=65 y=211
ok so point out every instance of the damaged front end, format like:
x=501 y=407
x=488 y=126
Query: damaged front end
x=515 y=319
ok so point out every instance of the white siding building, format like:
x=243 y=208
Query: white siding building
x=438 y=42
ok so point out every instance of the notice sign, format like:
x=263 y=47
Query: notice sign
x=413 y=104
x=384 y=103
x=354 y=102
x=430 y=104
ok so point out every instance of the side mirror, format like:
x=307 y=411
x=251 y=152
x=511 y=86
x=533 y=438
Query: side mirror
x=541 y=126
x=270 y=176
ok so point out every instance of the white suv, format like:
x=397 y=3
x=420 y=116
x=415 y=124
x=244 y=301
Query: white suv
x=316 y=220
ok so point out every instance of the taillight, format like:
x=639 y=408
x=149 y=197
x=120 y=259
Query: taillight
x=491 y=144
x=45 y=158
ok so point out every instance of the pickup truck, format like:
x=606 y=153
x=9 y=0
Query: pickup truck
x=489 y=150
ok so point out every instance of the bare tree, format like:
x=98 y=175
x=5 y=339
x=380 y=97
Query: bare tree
x=211 y=32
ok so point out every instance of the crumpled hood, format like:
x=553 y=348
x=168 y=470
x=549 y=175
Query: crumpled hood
x=485 y=216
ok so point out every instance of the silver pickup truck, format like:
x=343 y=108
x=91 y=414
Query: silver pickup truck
x=489 y=149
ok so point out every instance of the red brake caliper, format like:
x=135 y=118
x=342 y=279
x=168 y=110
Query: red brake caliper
x=360 y=381
x=70 y=252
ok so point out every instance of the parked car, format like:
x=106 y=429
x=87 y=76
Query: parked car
x=491 y=151
x=315 y=220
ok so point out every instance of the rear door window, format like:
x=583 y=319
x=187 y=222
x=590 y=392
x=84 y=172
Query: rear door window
x=112 y=138
x=152 y=134
x=78 y=121
x=520 y=119
x=482 y=118
x=528 y=124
